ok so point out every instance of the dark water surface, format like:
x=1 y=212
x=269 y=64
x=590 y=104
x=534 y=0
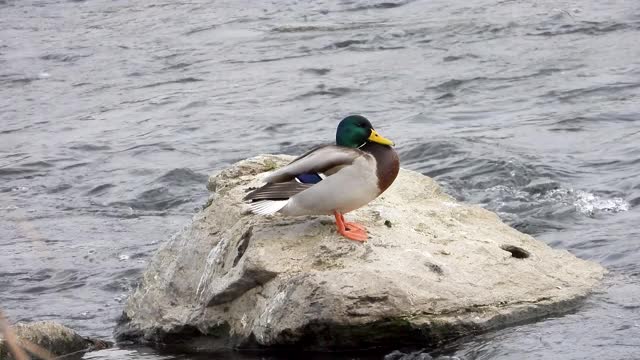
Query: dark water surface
x=113 y=113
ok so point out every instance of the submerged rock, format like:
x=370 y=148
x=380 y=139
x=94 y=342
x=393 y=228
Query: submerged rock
x=441 y=271
x=58 y=339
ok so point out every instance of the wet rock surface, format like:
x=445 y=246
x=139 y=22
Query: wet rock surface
x=55 y=338
x=433 y=270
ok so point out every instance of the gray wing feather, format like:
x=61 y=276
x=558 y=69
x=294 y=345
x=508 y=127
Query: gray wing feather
x=277 y=191
x=320 y=160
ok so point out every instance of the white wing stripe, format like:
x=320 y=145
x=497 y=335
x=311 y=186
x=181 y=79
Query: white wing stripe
x=267 y=207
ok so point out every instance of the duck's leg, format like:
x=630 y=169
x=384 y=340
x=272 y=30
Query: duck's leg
x=350 y=230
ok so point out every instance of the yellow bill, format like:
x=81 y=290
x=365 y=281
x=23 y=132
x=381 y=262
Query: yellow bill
x=375 y=137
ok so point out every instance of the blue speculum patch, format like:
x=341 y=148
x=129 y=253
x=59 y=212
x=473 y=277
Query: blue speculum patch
x=311 y=178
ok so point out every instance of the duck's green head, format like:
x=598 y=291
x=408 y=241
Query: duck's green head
x=355 y=130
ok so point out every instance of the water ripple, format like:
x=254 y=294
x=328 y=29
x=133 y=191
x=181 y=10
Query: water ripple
x=529 y=109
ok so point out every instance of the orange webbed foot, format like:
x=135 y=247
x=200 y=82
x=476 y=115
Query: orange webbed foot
x=354 y=226
x=355 y=235
x=351 y=231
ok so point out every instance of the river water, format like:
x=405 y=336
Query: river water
x=113 y=113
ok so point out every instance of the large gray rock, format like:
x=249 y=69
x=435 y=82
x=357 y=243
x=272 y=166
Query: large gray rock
x=55 y=338
x=433 y=270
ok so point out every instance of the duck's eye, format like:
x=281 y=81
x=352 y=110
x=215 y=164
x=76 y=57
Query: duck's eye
x=362 y=125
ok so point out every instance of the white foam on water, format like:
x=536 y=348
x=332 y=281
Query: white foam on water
x=589 y=204
x=585 y=202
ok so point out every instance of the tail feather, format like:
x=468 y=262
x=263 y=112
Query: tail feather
x=267 y=207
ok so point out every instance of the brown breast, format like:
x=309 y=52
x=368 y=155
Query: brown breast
x=388 y=163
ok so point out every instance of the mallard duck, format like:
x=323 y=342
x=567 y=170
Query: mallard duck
x=332 y=179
